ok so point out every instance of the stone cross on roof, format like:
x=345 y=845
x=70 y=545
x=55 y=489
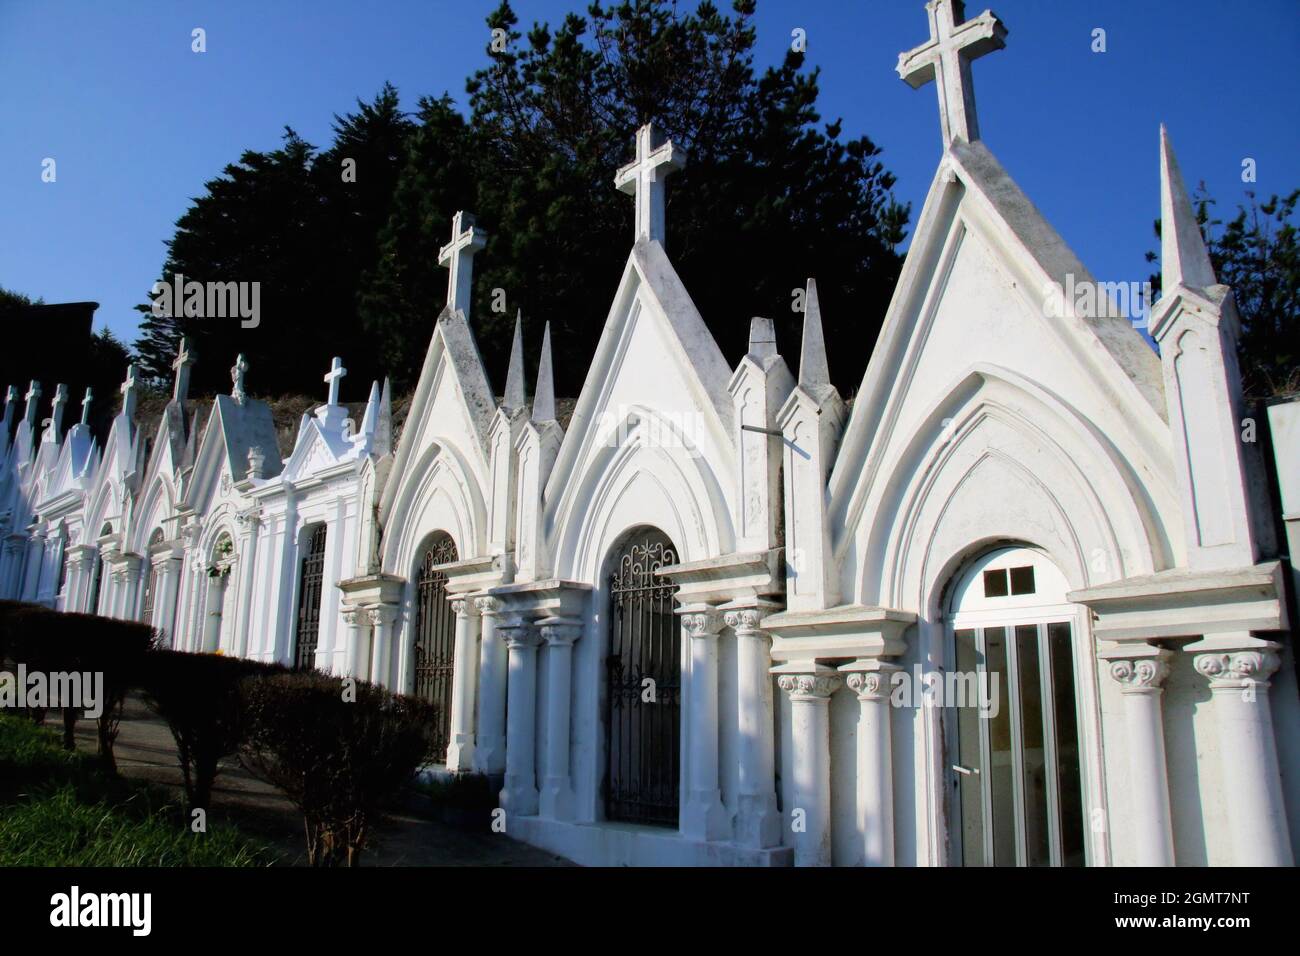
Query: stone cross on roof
x=237 y=378
x=643 y=179
x=184 y=359
x=33 y=396
x=56 y=408
x=11 y=396
x=128 y=392
x=336 y=372
x=946 y=58
x=85 y=406
x=458 y=256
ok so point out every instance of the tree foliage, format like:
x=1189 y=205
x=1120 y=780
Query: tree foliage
x=770 y=196
x=1257 y=254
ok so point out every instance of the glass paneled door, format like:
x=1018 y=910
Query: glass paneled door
x=1015 y=772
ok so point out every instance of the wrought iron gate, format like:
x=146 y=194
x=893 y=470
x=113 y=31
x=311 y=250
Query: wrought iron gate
x=435 y=641
x=150 y=579
x=643 y=730
x=309 y=595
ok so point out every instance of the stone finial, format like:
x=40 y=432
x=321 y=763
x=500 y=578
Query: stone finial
x=237 y=373
x=184 y=360
x=85 y=406
x=643 y=179
x=383 y=443
x=1184 y=260
x=515 y=396
x=814 y=369
x=128 y=392
x=762 y=338
x=56 y=408
x=946 y=57
x=333 y=377
x=256 y=463
x=544 y=396
x=32 y=397
x=458 y=257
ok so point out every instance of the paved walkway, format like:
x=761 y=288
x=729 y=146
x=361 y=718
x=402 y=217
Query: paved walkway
x=146 y=751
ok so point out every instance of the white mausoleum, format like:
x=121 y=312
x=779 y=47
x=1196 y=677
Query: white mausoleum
x=1020 y=604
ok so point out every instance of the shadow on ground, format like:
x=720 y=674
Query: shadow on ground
x=145 y=751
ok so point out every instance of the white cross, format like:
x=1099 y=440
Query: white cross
x=182 y=366
x=946 y=58
x=85 y=407
x=128 y=392
x=643 y=180
x=60 y=399
x=237 y=377
x=336 y=372
x=458 y=256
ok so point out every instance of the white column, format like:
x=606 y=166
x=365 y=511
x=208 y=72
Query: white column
x=460 y=750
x=519 y=795
x=32 y=571
x=167 y=588
x=560 y=633
x=758 y=822
x=704 y=817
x=1238 y=667
x=810 y=817
x=1140 y=669
x=869 y=678
x=490 y=744
x=247 y=549
x=357 y=633
x=382 y=617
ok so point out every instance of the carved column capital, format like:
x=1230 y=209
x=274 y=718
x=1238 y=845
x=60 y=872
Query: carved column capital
x=355 y=617
x=746 y=619
x=1138 y=668
x=870 y=679
x=487 y=605
x=1236 y=669
x=519 y=633
x=382 y=615
x=563 y=631
x=810 y=687
x=700 y=620
x=464 y=606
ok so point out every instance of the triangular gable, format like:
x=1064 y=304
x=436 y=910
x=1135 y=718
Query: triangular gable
x=74 y=470
x=168 y=456
x=451 y=364
x=979 y=232
x=650 y=287
x=232 y=431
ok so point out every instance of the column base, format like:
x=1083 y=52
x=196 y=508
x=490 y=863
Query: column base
x=460 y=752
x=519 y=797
x=704 y=817
x=490 y=755
x=758 y=823
x=557 y=801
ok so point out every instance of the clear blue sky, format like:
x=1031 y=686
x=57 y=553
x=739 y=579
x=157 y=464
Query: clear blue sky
x=137 y=122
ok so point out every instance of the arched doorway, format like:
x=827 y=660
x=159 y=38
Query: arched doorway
x=311 y=576
x=1014 y=756
x=150 y=578
x=435 y=638
x=643 y=680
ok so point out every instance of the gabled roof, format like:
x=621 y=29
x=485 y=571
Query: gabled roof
x=971 y=190
x=454 y=348
x=650 y=277
x=232 y=431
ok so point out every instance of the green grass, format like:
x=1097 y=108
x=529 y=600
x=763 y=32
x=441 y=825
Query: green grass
x=58 y=808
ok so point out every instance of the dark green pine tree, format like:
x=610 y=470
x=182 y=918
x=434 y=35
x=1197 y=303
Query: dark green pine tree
x=306 y=227
x=768 y=197
x=402 y=294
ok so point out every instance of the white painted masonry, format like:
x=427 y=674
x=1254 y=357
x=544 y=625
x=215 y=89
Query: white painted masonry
x=817 y=548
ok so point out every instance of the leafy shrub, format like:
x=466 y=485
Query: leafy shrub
x=199 y=697
x=337 y=755
x=52 y=642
